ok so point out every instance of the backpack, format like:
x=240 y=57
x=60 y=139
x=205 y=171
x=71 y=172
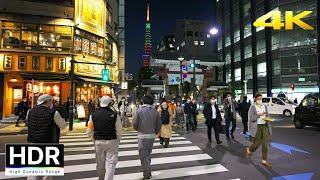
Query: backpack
x=165 y=116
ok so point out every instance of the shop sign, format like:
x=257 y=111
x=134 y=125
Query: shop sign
x=90 y=69
x=93 y=48
x=77 y=43
x=85 y=45
x=91 y=15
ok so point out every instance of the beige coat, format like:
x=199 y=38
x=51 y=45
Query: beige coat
x=166 y=129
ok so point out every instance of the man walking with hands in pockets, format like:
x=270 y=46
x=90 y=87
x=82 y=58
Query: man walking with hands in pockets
x=148 y=124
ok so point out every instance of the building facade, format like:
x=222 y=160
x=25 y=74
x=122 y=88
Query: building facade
x=166 y=43
x=270 y=60
x=40 y=38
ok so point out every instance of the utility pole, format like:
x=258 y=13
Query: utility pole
x=71 y=76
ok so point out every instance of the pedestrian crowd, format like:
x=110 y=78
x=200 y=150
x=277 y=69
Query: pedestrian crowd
x=105 y=125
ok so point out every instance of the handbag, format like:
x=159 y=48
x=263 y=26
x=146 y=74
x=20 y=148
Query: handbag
x=222 y=128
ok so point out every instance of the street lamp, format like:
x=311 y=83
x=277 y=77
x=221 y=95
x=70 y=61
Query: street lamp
x=180 y=58
x=214 y=31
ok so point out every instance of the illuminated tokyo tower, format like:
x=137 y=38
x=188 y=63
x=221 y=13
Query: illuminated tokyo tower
x=147 y=43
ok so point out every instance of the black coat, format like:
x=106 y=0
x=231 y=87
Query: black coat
x=207 y=112
x=22 y=107
x=244 y=109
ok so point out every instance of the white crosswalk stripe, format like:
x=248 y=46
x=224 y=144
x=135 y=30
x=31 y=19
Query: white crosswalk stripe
x=188 y=160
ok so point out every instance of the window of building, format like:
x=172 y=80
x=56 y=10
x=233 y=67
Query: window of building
x=228 y=75
x=171 y=46
x=183 y=44
x=237 y=74
x=219 y=44
x=261 y=46
x=228 y=41
x=196 y=34
x=236 y=36
x=35 y=36
x=228 y=57
x=178 y=48
x=275 y=41
x=248 y=72
x=237 y=54
x=202 y=43
x=262 y=69
x=276 y=67
x=247 y=30
x=248 y=51
x=196 y=43
x=208 y=36
x=109 y=15
x=246 y=9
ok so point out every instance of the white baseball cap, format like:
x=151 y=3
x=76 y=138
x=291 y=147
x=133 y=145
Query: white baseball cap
x=43 y=98
x=105 y=101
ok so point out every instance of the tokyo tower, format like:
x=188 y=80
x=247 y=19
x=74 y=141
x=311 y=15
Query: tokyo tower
x=147 y=43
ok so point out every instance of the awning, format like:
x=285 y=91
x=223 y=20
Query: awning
x=93 y=81
x=45 y=76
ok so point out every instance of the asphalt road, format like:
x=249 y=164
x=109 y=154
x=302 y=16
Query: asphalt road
x=188 y=157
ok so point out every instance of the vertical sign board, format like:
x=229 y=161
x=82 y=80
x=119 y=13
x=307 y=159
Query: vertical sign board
x=124 y=85
x=34 y=160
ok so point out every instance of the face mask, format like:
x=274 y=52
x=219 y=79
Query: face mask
x=24 y=100
x=259 y=101
x=172 y=102
x=164 y=106
x=188 y=101
x=193 y=102
x=213 y=101
x=178 y=104
x=229 y=98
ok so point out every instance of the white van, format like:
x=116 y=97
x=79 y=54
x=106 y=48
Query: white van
x=278 y=106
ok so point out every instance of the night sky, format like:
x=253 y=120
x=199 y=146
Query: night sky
x=163 y=18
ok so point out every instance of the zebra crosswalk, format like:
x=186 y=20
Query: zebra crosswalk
x=180 y=160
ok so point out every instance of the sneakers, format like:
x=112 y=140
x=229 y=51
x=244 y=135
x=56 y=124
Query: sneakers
x=248 y=153
x=266 y=164
x=150 y=177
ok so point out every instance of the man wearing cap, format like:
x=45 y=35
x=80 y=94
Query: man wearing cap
x=42 y=121
x=105 y=129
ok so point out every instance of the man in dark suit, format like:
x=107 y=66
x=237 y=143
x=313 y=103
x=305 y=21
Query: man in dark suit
x=213 y=118
x=230 y=106
x=243 y=112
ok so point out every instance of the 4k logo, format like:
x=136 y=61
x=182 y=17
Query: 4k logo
x=276 y=24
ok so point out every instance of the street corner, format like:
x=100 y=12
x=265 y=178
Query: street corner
x=12 y=129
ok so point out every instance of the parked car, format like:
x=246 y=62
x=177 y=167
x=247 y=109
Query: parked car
x=308 y=112
x=278 y=106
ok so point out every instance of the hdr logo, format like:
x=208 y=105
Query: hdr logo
x=34 y=160
x=276 y=23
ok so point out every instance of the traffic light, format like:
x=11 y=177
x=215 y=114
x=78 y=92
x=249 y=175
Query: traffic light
x=105 y=74
x=292 y=87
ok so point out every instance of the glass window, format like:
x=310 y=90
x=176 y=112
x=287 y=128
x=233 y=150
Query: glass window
x=11 y=38
x=248 y=72
x=277 y=101
x=265 y=100
x=246 y=9
x=228 y=75
x=196 y=43
x=228 y=57
x=276 y=67
x=47 y=41
x=228 y=41
x=189 y=33
x=262 y=69
x=248 y=51
x=29 y=40
x=220 y=44
x=237 y=74
x=202 y=43
x=196 y=34
x=236 y=36
x=308 y=102
x=109 y=16
x=237 y=54
x=247 y=30
x=261 y=46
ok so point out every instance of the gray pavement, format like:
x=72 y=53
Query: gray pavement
x=191 y=157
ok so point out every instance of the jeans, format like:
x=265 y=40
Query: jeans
x=145 y=149
x=234 y=125
x=190 y=122
x=106 y=157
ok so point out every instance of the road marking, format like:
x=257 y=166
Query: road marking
x=134 y=153
x=121 y=146
x=173 y=173
x=121 y=142
x=135 y=137
x=135 y=163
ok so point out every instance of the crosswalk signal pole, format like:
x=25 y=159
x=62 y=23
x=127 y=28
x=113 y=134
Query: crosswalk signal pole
x=71 y=76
